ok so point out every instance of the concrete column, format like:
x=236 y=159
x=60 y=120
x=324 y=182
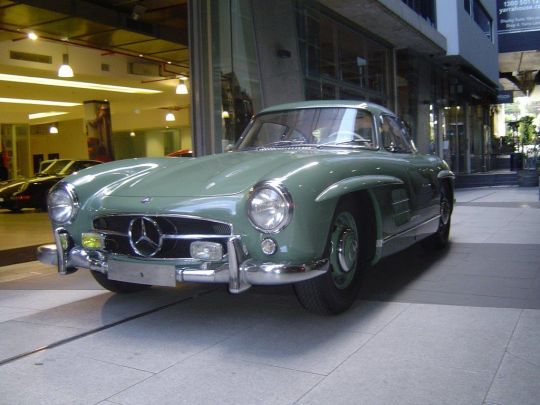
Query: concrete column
x=277 y=48
x=424 y=100
x=468 y=135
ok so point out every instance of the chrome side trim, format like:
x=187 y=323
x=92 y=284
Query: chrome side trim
x=413 y=230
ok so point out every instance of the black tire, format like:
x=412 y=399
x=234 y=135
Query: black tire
x=439 y=240
x=335 y=291
x=120 y=287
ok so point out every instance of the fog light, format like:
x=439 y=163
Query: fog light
x=269 y=246
x=208 y=251
x=92 y=241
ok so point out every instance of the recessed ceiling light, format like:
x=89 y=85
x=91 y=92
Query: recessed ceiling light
x=37 y=102
x=45 y=114
x=75 y=84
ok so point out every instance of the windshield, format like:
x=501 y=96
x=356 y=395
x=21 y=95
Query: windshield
x=321 y=127
x=54 y=168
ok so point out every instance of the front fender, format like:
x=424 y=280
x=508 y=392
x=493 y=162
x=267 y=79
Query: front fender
x=356 y=183
x=361 y=183
x=446 y=174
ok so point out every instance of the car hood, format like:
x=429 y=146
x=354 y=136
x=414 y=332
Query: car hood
x=222 y=174
x=22 y=180
x=11 y=185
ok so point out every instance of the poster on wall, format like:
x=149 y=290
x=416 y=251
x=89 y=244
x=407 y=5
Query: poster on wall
x=518 y=23
x=97 y=122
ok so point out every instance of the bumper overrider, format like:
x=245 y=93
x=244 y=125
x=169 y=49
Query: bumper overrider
x=238 y=270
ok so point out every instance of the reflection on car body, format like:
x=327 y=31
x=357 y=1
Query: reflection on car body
x=181 y=153
x=312 y=194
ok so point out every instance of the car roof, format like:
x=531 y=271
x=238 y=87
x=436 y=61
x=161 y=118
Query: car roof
x=328 y=103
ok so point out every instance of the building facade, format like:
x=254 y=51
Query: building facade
x=433 y=62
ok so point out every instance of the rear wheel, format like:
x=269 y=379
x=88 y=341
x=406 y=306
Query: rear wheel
x=335 y=291
x=439 y=240
x=118 y=286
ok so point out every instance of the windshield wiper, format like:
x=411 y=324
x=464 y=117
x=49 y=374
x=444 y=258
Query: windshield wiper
x=280 y=144
x=355 y=142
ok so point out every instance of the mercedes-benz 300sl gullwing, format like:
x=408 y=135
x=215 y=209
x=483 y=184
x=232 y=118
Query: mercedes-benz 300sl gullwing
x=312 y=193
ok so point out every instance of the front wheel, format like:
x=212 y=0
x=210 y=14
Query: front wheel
x=439 y=240
x=121 y=287
x=335 y=291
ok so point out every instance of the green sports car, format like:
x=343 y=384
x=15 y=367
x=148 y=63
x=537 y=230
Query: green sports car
x=312 y=193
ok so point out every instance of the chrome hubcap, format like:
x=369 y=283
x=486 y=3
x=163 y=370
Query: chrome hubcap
x=345 y=245
x=445 y=211
x=347 y=250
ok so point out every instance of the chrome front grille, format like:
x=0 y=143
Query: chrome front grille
x=159 y=237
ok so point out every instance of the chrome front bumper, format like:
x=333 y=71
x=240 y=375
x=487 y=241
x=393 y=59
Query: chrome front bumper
x=240 y=271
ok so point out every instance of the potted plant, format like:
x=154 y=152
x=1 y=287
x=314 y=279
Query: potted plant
x=528 y=175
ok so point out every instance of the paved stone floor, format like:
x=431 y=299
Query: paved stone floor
x=457 y=327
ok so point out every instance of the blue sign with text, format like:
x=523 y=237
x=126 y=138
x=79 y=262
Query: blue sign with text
x=518 y=24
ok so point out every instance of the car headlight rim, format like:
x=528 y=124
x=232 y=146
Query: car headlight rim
x=285 y=207
x=62 y=212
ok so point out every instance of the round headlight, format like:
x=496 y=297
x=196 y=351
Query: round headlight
x=269 y=207
x=62 y=203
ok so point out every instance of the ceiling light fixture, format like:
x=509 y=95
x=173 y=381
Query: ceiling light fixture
x=65 y=70
x=181 y=87
x=170 y=117
x=74 y=84
x=138 y=11
x=53 y=129
x=37 y=102
x=132 y=134
x=45 y=114
x=32 y=35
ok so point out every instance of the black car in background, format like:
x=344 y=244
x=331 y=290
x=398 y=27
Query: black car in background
x=32 y=192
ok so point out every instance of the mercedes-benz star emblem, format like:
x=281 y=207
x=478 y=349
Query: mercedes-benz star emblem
x=145 y=236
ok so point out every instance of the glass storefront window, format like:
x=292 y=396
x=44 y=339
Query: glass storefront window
x=228 y=88
x=457 y=141
x=353 y=62
x=240 y=89
x=340 y=61
x=320 y=46
x=482 y=18
x=424 y=8
x=378 y=62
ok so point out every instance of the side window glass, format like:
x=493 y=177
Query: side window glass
x=394 y=135
x=363 y=129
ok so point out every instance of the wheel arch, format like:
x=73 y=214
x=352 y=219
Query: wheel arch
x=360 y=188
x=367 y=205
x=446 y=177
